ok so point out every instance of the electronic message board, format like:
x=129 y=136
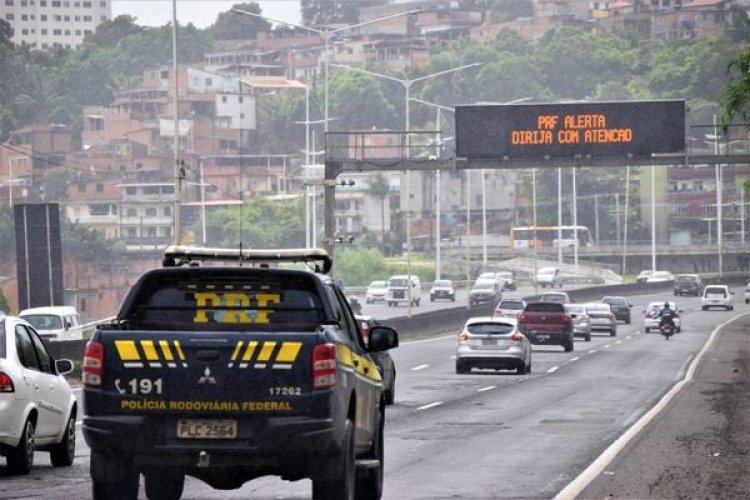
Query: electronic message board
x=633 y=129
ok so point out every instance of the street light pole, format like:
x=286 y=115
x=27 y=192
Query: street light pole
x=533 y=204
x=575 y=222
x=176 y=131
x=559 y=217
x=653 y=218
x=719 y=188
x=625 y=221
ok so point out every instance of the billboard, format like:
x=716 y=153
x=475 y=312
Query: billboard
x=609 y=130
x=39 y=255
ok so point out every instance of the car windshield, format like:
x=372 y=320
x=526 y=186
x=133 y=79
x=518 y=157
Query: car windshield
x=486 y=276
x=505 y=275
x=615 y=301
x=484 y=285
x=686 y=278
x=489 y=328
x=398 y=282
x=44 y=321
x=443 y=283
x=544 y=307
x=576 y=309
x=510 y=304
x=715 y=290
x=378 y=284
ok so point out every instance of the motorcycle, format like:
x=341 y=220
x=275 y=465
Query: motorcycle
x=667 y=329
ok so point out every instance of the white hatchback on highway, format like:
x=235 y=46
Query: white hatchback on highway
x=717 y=296
x=37 y=406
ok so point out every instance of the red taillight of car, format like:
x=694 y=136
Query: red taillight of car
x=6 y=383
x=93 y=363
x=516 y=337
x=324 y=366
x=463 y=336
x=522 y=317
x=566 y=318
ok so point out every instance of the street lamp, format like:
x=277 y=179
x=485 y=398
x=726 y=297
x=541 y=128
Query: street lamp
x=325 y=35
x=176 y=131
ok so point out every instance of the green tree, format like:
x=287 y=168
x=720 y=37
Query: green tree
x=89 y=245
x=261 y=223
x=379 y=185
x=109 y=33
x=322 y=12
x=360 y=102
x=358 y=266
x=233 y=26
x=42 y=96
x=7 y=234
x=735 y=96
x=4 y=306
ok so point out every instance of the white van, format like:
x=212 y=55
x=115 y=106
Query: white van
x=55 y=322
x=399 y=290
x=717 y=296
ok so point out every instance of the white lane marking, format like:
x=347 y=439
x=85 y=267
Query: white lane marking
x=420 y=367
x=592 y=351
x=433 y=339
x=553 y=369
x=629 y=337
x=431 y=405
x=606 y=346
x=488 y=388
x=453 y=357
x=576 y=358
x=575 y=487
x=618 y=342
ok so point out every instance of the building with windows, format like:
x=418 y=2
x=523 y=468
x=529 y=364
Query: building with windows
x=44 y=24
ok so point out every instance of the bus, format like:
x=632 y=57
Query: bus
x=549 y=237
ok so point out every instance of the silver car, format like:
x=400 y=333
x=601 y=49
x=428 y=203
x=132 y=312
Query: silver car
x=494 y=343
x=601 y=318
x=580 y=319
x=510 y=308
x=376 y=292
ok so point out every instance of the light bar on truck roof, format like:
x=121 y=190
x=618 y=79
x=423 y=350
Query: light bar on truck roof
x=180 y=255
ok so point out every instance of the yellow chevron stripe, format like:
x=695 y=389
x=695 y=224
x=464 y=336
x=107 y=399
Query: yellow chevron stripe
x=237 y=350
x=127 y=350
x=288 y=352
x=250 y=350
x=266 y=351
x=178 y=348
x=166 y=351
x=149 y=350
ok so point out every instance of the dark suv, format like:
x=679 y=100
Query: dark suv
x=620 y=307
x=688 y=284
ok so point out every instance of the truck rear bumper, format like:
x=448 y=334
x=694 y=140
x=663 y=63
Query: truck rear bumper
x=269 y=441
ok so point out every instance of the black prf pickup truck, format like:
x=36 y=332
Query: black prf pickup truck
x=231 y=372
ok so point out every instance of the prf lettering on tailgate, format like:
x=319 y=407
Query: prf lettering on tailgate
x=251 y=307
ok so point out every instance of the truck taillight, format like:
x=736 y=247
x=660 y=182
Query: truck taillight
x=93 y=363
x=6 y=383
x=324 y=366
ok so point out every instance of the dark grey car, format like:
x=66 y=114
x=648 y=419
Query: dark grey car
x=382 y=359
x=620 y=307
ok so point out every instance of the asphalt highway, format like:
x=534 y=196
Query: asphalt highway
x=487 y=434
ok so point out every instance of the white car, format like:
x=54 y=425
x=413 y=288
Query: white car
x=717 y=296
x=548 y=276
x=55 y=322
x=442 y=289
x=651 y=316
x=376 y=292
x=660 y=276
x=37 y=406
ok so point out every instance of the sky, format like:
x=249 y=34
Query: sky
x=202 y=13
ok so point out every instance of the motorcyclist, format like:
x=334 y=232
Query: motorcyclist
x=355 y=305
x=666 y=316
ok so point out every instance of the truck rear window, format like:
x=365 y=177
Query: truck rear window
x=545 y=307
x=265 y=300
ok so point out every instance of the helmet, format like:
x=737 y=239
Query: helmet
x=666 y=305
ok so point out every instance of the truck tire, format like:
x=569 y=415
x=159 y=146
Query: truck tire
x=569 y=345
x=63 y=453
x=164 y=484
x=113 y=478
x=20 y=459
x=338 y=484
x=370 y=485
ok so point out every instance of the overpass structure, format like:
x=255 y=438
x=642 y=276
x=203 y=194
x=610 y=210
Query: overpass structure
x=658 y=136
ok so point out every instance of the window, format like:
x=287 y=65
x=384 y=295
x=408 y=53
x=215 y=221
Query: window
x=25 y=348
x=9 y=3
x=43 y=17
x=58 y=18
x=57 y=32
x=209 y=82
x=45 y=360
x=86 y=5
x=100 y=188
x=151 y=212
x=130 y=190
x=9 y=17
x=131 y=212
x=56 y=3
x=168 y=211
x=87 y=19
x=24 y=32
x=24 y=17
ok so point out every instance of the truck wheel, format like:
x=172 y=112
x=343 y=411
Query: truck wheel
x=370 y=486
x=339 y=483
x=164 y=484
x=568 y=346
x=63 y=454
x=21 y=458
x=113 y=478
x=588 y=337
x=612 y=333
